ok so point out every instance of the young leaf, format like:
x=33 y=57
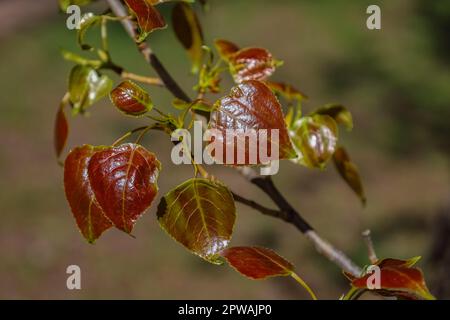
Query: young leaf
x=124 y=181
x=226 y=49
x=88 y=214
x=131 y=99
x=77 y=59
x=349 y=172
x=257 y=263
x=339 y=113
x=315 y=138
x=287 y=91
x=87 y=86
x=87 y=21
x=189 y=32
x=399 y=279
x=148 y=17
x=252 y=105
x=252 y=64
x=199 y=214
x=61 y=130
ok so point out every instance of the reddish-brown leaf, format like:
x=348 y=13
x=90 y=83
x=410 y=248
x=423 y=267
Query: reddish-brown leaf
x=287 y=91
x=252 y=64
x=199 y=214
x=256 y=262
x=148 y=17
x=88 y=214
x=124 y=180
x=225 y=48
x=131 y=99
x=61 y=131
x=349 y=172
x=251 y=105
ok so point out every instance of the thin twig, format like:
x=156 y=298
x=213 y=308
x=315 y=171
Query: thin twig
x=286 y=212
x=370 y=248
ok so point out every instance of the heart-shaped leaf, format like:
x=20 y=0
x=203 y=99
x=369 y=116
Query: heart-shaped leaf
x=252 y=64
x=339 y=113
x=87 y=212
x=287 y=91
x=251 y=106
x=87 y=86
x=226 y=49
x=61 y=130
x=124 y=181
x=131 y=99
x=315 y=138
x=148 y=17
x=87 y=21
x=199 y=214
x=349 y=172
x=397 y=278
x=189 y=32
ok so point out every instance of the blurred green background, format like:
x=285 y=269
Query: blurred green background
x=396 y=82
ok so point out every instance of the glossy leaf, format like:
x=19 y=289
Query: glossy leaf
x=287 y=91
x=124 y=180
x=252 y=105
x=398 y=279
x=148 y=17
x=252 y=64
x=199 y=214
x=88 y=214
x=256 y=262
x=315 y=137
x=339 y=113
x=64 y=4
x=349 y=172
x=131 y=99
x=189 y=32
x=87 y=21
x=87 y=86
x=226 y=49
x=61 y=130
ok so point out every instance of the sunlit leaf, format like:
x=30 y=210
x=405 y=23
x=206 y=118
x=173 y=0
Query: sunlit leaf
x=315 y=137
x=349 y=172
x=131 y=99
x=252 y=64
x=225 y=48
x=148 y=17
x=64 y=4
x=87 y=21
x=87 y=86
x=124 y=181
x=256 y=262
x=199 y=214
x=88 y=214
x=287 y=91
x=189 y=32
x=339 y=113
x=252 y=105
x=399 y=279
x=61 y=130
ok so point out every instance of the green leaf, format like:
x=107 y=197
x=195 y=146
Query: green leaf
x=148 y=17
x=87 y=86
x=315 y=138
x=189 y=32
x=199 y=214
x=131 y=99
x=73 y=57
x=339 y=113
x=349 y=172
x=87 y=21
x=64 y=4
x=287 y=91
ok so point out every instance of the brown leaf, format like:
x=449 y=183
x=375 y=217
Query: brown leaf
x=287 y=91
x=61 y=131
x=252 y=64
x=131 y=99
x=189 y=32
x=225 y=48
x=339 y=113
x=124 y=180
x=88 y=214
x=148 y=17
x=251 y=105
x=199 y=214
x=349 y=172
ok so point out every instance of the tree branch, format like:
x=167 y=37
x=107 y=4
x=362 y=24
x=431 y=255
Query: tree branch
x=286 y=212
